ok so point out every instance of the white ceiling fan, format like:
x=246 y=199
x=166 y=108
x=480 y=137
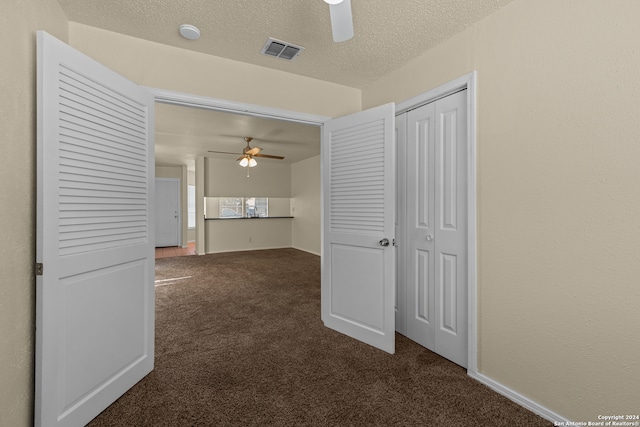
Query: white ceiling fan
x=341 y=19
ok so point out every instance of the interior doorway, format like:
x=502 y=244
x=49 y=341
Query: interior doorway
x=467 y=81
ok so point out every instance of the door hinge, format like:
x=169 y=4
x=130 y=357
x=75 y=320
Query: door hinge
x=39 y=268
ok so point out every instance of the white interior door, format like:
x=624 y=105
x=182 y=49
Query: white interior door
x=167 y=207
x=95 y=293
x=358 y=255
x=436 y=235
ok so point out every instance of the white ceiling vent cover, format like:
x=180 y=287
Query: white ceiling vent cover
x=280 y=49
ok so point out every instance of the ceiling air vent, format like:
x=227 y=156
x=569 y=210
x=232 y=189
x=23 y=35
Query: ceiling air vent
x=280 y=49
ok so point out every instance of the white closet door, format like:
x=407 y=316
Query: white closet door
x=420 y=292
x=358 y=272
x=95 y=192
x=436 y=221
x=451 y=228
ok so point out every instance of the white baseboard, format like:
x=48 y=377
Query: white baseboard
x=516 y=397
x=265 y=248
x=306 y=250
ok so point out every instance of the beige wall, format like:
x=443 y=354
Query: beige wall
x=19 y=22
x=558 y=203
x=559 y=239
x=305 y=205
x=226 y=179
x=178 y=172
x=155 y=65
x=227 y=235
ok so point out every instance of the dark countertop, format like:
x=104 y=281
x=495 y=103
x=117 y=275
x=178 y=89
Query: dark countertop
x=244 y=217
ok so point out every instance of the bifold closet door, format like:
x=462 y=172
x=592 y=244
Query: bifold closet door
x=436 y=227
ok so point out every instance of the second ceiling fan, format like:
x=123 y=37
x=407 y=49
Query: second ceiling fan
x=248 y=154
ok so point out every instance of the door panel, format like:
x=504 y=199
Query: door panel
x=95 y=296
x=448 y=289
x=358 y=273
x=451 y=234
x=104 y=311
x=423 y=301
x=420 y=220
x=353 y=300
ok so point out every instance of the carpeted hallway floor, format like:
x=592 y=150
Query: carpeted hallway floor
x=240 y=343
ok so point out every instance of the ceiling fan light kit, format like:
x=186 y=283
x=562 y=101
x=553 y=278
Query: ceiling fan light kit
x=248 y=160
x=248 y=153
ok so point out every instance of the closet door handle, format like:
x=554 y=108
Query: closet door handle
x=384 y=242
x=429 y=237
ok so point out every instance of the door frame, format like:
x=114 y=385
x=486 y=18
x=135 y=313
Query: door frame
x=467 y=81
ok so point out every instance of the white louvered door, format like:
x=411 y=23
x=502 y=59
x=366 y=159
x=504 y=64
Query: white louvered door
x=95 y=188
x=358 y=255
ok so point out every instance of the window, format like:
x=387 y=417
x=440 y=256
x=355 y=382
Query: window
x=236 y=207
x=191 y=206
x=231 y=207
x=257 y=206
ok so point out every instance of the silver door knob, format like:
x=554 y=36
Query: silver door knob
x=384 y=242
x=429 y=237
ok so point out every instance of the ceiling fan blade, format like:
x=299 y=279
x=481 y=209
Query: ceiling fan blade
x=222 y=152
x=253 y=151
x=341 y=21
x=267 y=156
x=240 y=158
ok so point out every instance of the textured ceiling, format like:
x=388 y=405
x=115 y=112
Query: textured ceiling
x=387 y=33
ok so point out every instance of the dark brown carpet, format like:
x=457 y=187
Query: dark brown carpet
x=241 y=343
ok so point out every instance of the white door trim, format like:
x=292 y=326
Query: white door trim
x=467 y=81
x=204 y=102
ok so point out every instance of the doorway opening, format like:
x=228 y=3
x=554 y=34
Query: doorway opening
x=467 y=82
